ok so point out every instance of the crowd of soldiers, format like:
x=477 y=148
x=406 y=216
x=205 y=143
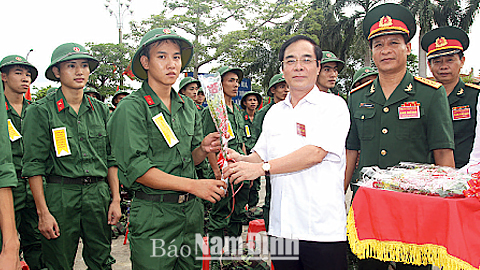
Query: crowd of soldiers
x=66 y=155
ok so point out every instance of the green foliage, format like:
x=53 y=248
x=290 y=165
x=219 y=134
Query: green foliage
x=39 y=93
x=114 y=59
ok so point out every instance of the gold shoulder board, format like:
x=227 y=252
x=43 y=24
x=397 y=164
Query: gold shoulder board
x=428 y=82
x=474 y=86
x=360 y=86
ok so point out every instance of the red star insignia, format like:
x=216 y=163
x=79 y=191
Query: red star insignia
x=76 y=49
x=149 y=100
x=60 y=105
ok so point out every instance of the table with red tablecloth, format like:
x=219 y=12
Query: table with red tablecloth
x=416 y=229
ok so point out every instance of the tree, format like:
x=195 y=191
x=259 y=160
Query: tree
x=114 y=59
x=40 y=93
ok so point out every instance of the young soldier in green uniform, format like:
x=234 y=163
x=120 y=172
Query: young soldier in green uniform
x=66 y=141
x=119 y=95
x=331 y=66
x=17 y=75
x=9 y=244
x=189 y=87
x=92 y=92
x=200 y=99
x=157 y=139
x=445 y=47
x=218 y=221
x=250 y=103
x=396 y=117
x=363 y=75
x=278 y=89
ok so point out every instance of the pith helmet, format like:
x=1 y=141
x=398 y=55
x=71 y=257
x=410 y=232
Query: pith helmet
x=331 y=57
x=12 y=60
x=259 y=98
x=188 y=80
x=66 y=52
x=226 y=69
x=157 y=35
x=363 y=73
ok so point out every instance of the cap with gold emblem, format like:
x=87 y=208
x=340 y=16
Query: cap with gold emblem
x=66 y=52
x=328 y=57
x=444 y=41
x=389 y=19
x=12 y=60
x=157 y=35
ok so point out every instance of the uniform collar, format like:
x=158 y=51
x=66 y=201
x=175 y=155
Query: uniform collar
x=62 y=104
x=405 y=89
x=153 y=100
x=457 y=93
x=10 y=108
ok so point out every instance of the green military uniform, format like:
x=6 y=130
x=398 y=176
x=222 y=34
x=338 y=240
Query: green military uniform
x=463 y=99
x=75 y=166
x=174 y=218
x=8 y=178
x=26 y=218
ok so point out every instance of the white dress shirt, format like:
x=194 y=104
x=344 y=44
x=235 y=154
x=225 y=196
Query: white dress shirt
x=308 y=204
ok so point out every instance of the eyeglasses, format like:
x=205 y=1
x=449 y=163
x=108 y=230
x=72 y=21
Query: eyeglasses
x=303 y=62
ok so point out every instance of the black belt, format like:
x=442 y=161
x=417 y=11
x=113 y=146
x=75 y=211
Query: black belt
x=86 y=180
x=169 y=198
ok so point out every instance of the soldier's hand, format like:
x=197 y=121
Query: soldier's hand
x=210 y=190
x=114 y=212
x=241 y=171
x=232 y=154
x=48 y=226
x=211 y=143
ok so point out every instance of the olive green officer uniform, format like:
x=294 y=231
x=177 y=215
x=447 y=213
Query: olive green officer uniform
x=218 y=220
x=173 y=218
x=26 y=218
x=75 y=166
x=463 y=99
x=8 y=178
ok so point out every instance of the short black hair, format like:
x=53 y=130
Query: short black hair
x=316 y=47
x=146 y=50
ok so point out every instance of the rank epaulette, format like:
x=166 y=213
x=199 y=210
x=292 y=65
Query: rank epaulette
x=360 y=86
x=428 y=82
x=474 y=86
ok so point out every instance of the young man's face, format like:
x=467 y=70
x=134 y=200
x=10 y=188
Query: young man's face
x=300 y=75
x=164 y=64
x=390 y=53
x=230 y=84
x=119 y=97
x=446 y=69
x=251 y=102
x=17 y=80
x=328 y=76
x=279 y=91
x=191 y=90
x=73 y=74
x=200 y=98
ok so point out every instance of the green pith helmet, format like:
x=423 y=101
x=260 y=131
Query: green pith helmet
x=278 y=78
x=119 y=92
x=18 y=60
x=226 y=69
x=259 y=98
x=389 y=19
x=89 y=89
x=363 y=73
x=445 y=41
x=66 y=52
x=331 y=57
x=188 y=80
x=157 y=35
x=200 y=89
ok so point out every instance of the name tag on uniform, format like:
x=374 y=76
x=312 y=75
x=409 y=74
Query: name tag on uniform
x=408 y=112
x=230 y=131
x=461 y=112
x=165 y=129
x=301 y=130
x=367 y=105
x=247 y=131
x=13 y=132
x=60 y=141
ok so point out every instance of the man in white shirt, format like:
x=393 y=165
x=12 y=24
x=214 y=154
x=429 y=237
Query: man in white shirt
x=307 y=172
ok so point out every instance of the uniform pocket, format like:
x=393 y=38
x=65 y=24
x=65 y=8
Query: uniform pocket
x=365 y=122
x=98 y=140
x=408 y=129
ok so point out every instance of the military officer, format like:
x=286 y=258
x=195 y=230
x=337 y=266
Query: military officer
x=397 y=117
x=17 y=75
x=189 y=87
x=445 y=47
x=9 y=244
x=218 y=221
x=250 y=103
x=331 y=66
x=277 y=89
x=157 y=139
x=65 y=140
x=92 y=92
x=363 y=75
